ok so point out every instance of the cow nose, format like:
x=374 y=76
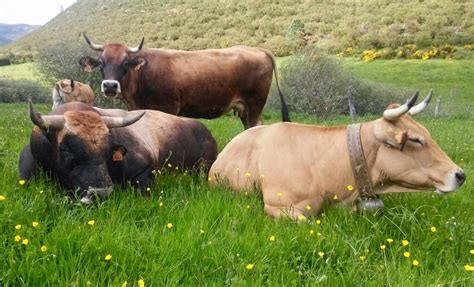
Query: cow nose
x=110 y=85
x=460 y=176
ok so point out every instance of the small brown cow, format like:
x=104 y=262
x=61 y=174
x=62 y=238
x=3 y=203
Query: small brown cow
x=68 y=90
x=299 y=167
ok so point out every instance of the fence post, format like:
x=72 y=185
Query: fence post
x=438 y=103
x=352 y=109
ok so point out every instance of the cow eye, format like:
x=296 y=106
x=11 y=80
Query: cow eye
x=417 y=141
x=125 y=63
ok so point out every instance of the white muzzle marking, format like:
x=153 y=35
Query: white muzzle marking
x=118 y=91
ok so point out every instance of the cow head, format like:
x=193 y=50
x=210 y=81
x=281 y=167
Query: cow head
x=81 y=147
x=409 y=159
x=115 y=62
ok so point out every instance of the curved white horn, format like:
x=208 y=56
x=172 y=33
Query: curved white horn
x=45 y=122
x=421 y=106
x=393 y=114
x=137 y=48
x=94 y=46
x=118 y=122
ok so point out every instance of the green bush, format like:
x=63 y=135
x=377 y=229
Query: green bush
x=314 y=83
x=12 y=91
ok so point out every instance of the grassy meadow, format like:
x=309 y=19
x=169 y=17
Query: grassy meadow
x=189 y=234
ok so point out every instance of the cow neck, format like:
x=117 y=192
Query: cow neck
x=358 y=161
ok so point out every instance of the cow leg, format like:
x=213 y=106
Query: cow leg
x=254 y=114
x=27 y=166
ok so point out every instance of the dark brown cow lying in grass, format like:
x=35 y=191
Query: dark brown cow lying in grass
x=299 y=167
x=89 y=149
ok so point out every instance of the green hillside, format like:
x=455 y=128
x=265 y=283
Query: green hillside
x=281 y=26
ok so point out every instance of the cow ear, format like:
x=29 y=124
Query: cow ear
x=119 y=152
x=137 y=63
x=88 y=63
x=390 y=135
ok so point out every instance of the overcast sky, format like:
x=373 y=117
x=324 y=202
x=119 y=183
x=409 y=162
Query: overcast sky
x=31 y=12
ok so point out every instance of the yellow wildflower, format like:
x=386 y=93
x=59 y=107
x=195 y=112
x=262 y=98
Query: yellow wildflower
x=125 y=284
x=415 y=263
x=248 y=206
x=272 y=238
x=350 y=187
x=389 y=240
x=311 y=232
x=471 y=251
x=319 y=234
x=383 y=247
x=2 y=198
x=249 y=266
x=318 y=222
x=301 y=217
x=248 y=174
x=335 y=197
x=279 y=194
x=405 y=242
x=35 y=224
x=262 y=176
x=321 y=254
x=169 y=225
x=209 y=178
x=25 y=241
x=169 y=165
x=468 y=267
x=406 y=254
x=141 y=283
x=308 y=207
x=108 y=257
x=202 y=231
x=18 y=238
x=161 y=204
x=433 y=229
x=21 y=182
x=362 y=258
x=91 y=222
x=44 y=248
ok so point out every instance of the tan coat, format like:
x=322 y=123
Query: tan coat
x=66 y=91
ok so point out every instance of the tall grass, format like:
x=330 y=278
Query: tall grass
x=216 y=234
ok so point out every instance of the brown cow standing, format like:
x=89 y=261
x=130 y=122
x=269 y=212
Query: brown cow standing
x=197 y=84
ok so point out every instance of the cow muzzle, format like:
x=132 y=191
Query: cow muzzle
x=452 y=182
x=96 y=193
x=110 y=88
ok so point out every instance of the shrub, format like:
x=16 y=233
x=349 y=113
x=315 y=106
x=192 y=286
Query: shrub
x=315 y=84
x=12 y=91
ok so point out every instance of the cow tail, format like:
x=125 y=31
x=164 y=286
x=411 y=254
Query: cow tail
x=285 y=117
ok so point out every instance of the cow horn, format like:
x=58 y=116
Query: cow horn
x=137 y=48
x=93 y=45
x=421 y=106
x=393 y=114
x=118 y=122
x=45 y=122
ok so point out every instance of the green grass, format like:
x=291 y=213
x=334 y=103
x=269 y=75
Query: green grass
x=20 y=71
x=453 y=80
x=236 y=230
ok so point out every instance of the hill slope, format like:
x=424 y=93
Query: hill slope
x=281 y=27
x=11 y=32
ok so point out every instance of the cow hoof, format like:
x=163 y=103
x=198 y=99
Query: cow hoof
x=86 y=200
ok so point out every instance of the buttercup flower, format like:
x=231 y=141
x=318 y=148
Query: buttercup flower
x=318 y=222
x=35 y=224
x=350 y=187
x=21 y=182
x=272 y=238
x=25 y=241
x=202 y=231
x=433 y=229
x=44 y=248
x=301 y=217
x=2 y=198
x=169 y=225
x=161 y=204
x=125 y=284
x=311 y=232
x=335 y=197
x=209 y=178
x=389 y=240
x=362 y=258
x=415 y=263
x=108 y=257
x=91 y=222
x=308 y=207
x=382 y=247
x=471 y=251
x=141 y=283
x=249 y=266
x=18 y=238
x=321 y=254
x=18 y=226
x=248 y=174
x=405 y=242
x=468 y=267
x=406 y=254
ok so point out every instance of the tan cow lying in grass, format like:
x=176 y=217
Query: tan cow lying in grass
x=299 y=167
x=66 y=91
